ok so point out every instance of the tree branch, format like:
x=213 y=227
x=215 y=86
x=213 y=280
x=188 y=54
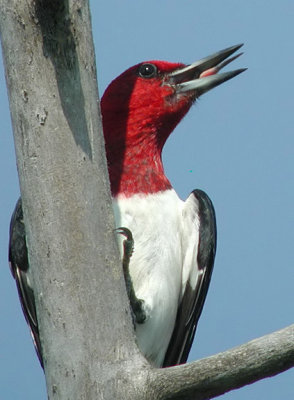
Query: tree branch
x=232 y=369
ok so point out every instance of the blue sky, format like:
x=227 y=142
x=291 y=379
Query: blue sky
x=236 y=144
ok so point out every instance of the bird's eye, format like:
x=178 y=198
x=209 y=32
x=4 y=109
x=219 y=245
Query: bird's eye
x=147 y=71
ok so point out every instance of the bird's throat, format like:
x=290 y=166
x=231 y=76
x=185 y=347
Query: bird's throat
x=137 y=171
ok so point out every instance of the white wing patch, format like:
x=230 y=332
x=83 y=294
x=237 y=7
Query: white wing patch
x=190 y=241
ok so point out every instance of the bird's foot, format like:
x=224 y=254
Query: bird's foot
x=137 y=305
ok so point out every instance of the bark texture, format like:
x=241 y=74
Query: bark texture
x=83 y=312
x=79 y=287
x=232 y=369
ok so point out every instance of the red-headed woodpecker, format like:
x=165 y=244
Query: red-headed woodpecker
x=168 y=272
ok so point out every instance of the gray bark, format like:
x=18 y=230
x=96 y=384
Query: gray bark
x=86 y=331
x=232 y=369
x=80 y=292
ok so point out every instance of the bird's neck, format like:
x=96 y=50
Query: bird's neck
x=135 y=168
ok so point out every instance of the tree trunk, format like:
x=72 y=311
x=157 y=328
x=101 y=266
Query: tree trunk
x=79 y=287
x=86 y=330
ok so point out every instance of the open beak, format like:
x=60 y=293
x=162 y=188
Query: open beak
x=202 y=75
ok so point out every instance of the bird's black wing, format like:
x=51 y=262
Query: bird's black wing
x=19 y=265
x=193 y=298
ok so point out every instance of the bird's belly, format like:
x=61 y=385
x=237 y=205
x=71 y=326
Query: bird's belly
x=155 y=266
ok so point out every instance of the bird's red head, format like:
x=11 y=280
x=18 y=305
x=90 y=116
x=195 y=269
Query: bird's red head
x=141 y=108
x=140 y=105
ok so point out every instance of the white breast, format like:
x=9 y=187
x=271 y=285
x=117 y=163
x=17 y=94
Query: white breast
x=156 y=266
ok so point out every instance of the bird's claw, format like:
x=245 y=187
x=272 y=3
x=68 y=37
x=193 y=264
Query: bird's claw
x=125 y=232
x=137 y=305
x=139 y=313
x=128 y=243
